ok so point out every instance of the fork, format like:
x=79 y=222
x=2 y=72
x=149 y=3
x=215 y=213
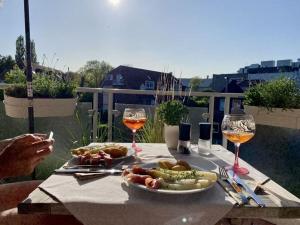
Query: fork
x=224 y=176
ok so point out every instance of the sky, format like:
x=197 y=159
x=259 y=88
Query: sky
x=187 y=37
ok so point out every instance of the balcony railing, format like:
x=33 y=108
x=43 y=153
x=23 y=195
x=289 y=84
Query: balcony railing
x=110 y=92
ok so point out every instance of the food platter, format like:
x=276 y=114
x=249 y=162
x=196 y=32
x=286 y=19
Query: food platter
x=167 y=191
x=130 y=152
x=100 y=154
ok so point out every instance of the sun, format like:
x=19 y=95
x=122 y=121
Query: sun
x=115 y=2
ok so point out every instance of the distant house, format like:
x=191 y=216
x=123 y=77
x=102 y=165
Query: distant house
x=221 y=81
x=125 y=77
x=254 y=73
x=236 y=86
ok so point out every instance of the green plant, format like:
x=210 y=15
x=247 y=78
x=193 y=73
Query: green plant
x=197 y=101
x=44 y=86
x=17 y=90
x=85 y=132
x=281 y=93
x=172 y=112
x=102 y=132
x=15 y=76
x=7 y=63
x=152 y=131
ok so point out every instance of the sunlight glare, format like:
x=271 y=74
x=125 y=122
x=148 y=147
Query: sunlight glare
x=114 y=2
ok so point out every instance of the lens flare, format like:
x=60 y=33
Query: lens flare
x=115 y=2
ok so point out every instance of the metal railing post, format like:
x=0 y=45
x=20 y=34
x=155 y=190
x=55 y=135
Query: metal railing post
x=226 y=111
x=211 y=115
x=95 y=116
x=110 y=114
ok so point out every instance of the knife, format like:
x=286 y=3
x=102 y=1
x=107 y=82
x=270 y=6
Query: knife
x=101 y=166
x=239 y=181
x=89 y=170
x=84 y=166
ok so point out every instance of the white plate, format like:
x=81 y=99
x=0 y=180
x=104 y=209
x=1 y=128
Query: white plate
x=164 y=191
x=130 y=153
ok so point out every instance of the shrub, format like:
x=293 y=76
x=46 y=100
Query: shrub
x=15 y=76
x=44 y=86
x=197 y=101
x=17 y=90
x=281 y=93
x=172 y=112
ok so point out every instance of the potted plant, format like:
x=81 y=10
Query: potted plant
x=274 y=103
x=53 y=96
x=171 y=113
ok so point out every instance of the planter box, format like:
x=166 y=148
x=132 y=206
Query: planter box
x=289 y=118
x=43 y=107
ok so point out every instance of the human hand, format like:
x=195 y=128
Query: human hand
x=23 y=154
x=4 y=143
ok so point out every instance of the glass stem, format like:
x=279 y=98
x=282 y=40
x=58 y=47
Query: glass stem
x=133 y=139
x=236 y=159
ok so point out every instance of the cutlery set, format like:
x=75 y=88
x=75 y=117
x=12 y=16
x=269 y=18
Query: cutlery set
x=240 y=187
x=84 y=172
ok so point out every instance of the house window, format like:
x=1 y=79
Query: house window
x=119 y=80
x=149 y=84
x=110 y=77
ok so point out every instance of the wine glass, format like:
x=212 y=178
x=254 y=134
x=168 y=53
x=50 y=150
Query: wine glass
x=238 y=128
x=134 y=119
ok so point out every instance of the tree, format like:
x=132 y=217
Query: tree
x=20 y=52
x=6 y=64
x=94 y=71
x=33 y=53
x=194 y=83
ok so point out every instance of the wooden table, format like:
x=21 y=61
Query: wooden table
x=38 y=202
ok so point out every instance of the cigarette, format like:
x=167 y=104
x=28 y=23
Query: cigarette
x=51 y=135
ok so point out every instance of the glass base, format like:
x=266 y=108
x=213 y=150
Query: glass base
x=136 y=148
x=238 y=170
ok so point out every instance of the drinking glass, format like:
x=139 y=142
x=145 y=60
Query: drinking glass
x=238 y=128
x=134 y=119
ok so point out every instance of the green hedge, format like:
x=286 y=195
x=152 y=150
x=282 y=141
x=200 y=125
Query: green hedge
x=281 y=93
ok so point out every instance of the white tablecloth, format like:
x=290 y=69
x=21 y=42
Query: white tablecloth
x=110 y=201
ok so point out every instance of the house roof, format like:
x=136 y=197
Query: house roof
x=133 y=77
x=240 y=86
x=185 y=81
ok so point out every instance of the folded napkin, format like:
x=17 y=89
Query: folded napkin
x=87 y=176
x=109 y=200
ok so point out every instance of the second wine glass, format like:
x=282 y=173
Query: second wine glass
x=238 y=128
x=134 y=119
